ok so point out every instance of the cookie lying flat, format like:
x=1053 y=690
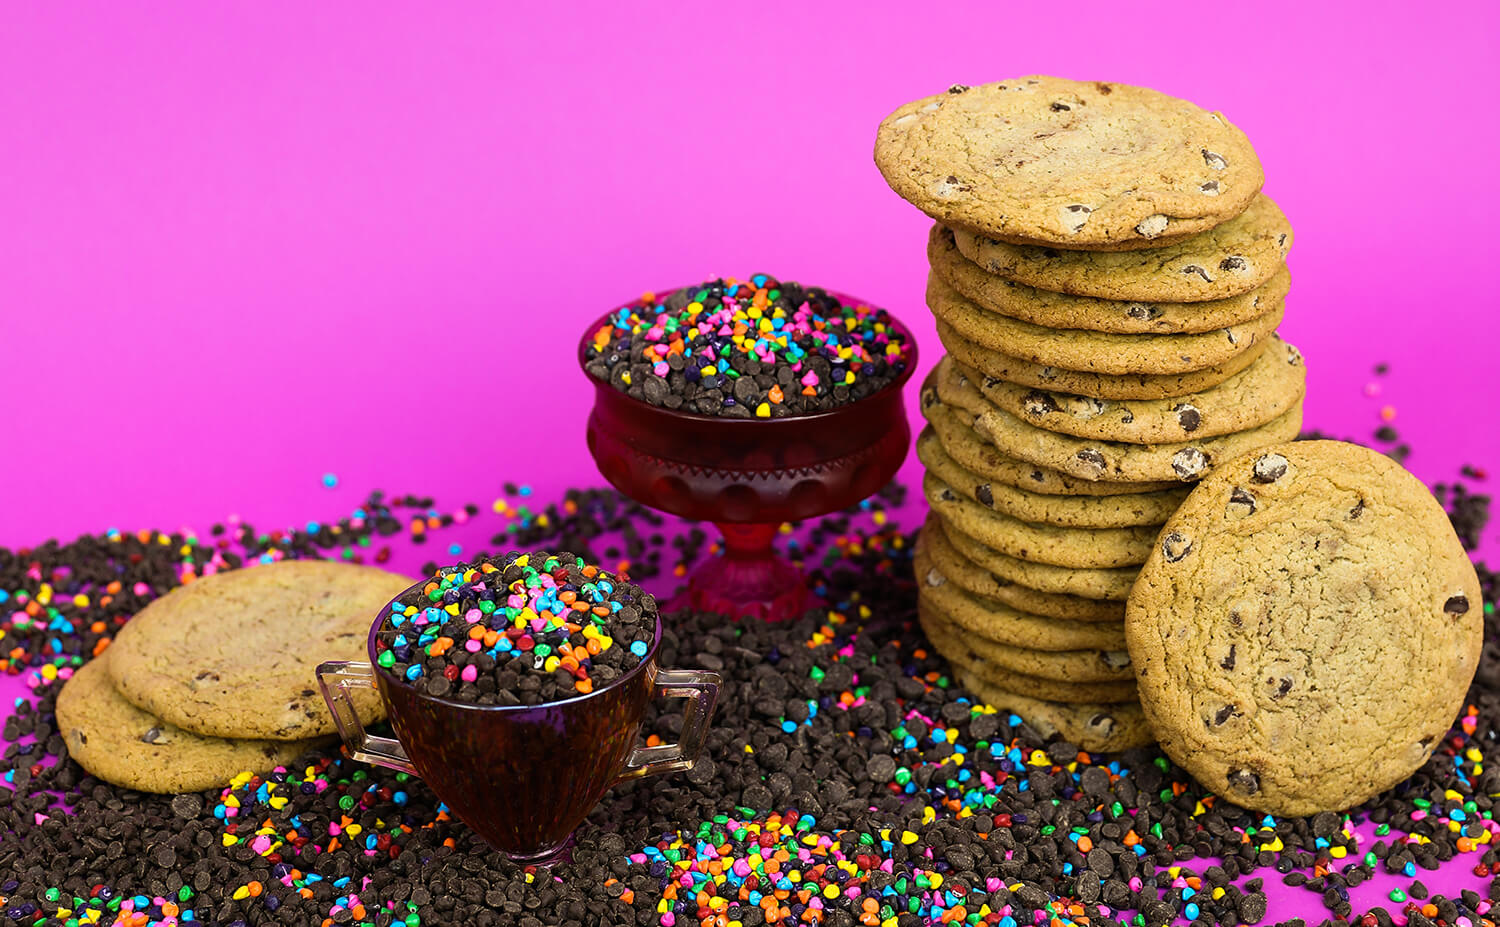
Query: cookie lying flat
x=960 y=441
x=1110 y=584
x=1233 y=258
x=977 y=581
x=1090 y=548
x=954 y=645
x=1269 y=387
x=1123 y=511
x=1095 y=352
x=119 y=743
x=1077 y=165
x=1003 y=625
x=1095 y=728
x=1104 y=460
x=1064 y=310
x=233 y=654
x=1306 y=628
x=1084 y=383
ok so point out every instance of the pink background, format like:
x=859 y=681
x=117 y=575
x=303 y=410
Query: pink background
x=245 y=244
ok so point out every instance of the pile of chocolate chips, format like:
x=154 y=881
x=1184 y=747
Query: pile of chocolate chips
x=802 y=368
x=522 y=629
x=782 y=742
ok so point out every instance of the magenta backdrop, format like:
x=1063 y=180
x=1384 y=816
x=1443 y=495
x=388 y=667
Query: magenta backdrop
x=245 y=244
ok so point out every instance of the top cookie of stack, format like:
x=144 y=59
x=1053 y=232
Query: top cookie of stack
x=1107 y=279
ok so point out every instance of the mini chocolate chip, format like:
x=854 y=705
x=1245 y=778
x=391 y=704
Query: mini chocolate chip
x=983 y=493
x=1243 y=781
x=1233 y=262
x=1269 y=468
x=1456 y=605
x=1174 y=547
x=1241 y=499
x=1142 y=311
x=1189 y=463
x=1283 y=688
x=1188 y=417
x=947 y=496
x=1228 y=661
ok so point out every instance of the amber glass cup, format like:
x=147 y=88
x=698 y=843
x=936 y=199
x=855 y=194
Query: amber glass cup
x=523 y=777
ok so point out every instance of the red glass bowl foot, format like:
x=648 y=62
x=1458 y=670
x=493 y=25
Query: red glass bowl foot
x=748 y=581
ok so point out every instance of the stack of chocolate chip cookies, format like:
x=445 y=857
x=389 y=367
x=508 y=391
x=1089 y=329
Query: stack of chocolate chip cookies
x=1107 y=280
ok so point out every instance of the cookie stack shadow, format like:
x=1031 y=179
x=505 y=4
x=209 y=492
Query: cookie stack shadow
x=1082 y=394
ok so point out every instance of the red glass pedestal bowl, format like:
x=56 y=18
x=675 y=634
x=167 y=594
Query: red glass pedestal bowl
x=748 y=476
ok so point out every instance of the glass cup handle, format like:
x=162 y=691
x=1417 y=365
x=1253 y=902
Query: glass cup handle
x=701 y=689
x=336 y=679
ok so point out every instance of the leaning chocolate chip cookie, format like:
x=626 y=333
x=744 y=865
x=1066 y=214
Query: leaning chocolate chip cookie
x=1072 y=164
x=1305 y=628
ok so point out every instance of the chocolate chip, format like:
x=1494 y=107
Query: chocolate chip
x=1211 y=188
x=1269 y=468
x=1213 y=160
x=1228 y=661
x=1188 y=417
x=1143 y=311
x=1037 y=403
x=983 y=493
x=1243 y=781
x=1457 y=605
x=1241 y=502
x=1224 y=714
x=1174 y=547
x=1191 y=269
x=1233 y=262
x=957 y=88
x=1103 y=88
x=1189 y=463
x=1092 y=458
x=1061 y=107
x=1358 y=510
x=1282 y=688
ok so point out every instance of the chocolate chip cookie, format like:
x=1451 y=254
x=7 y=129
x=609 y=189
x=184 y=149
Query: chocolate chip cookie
x=1095 y=352
x=1104 y=460
x=1294 y=584
x=1230 y=259
x=1085 y=383
x=233 y=654
x=1260 y=393
x=1072 y=164
x=1063 y=310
